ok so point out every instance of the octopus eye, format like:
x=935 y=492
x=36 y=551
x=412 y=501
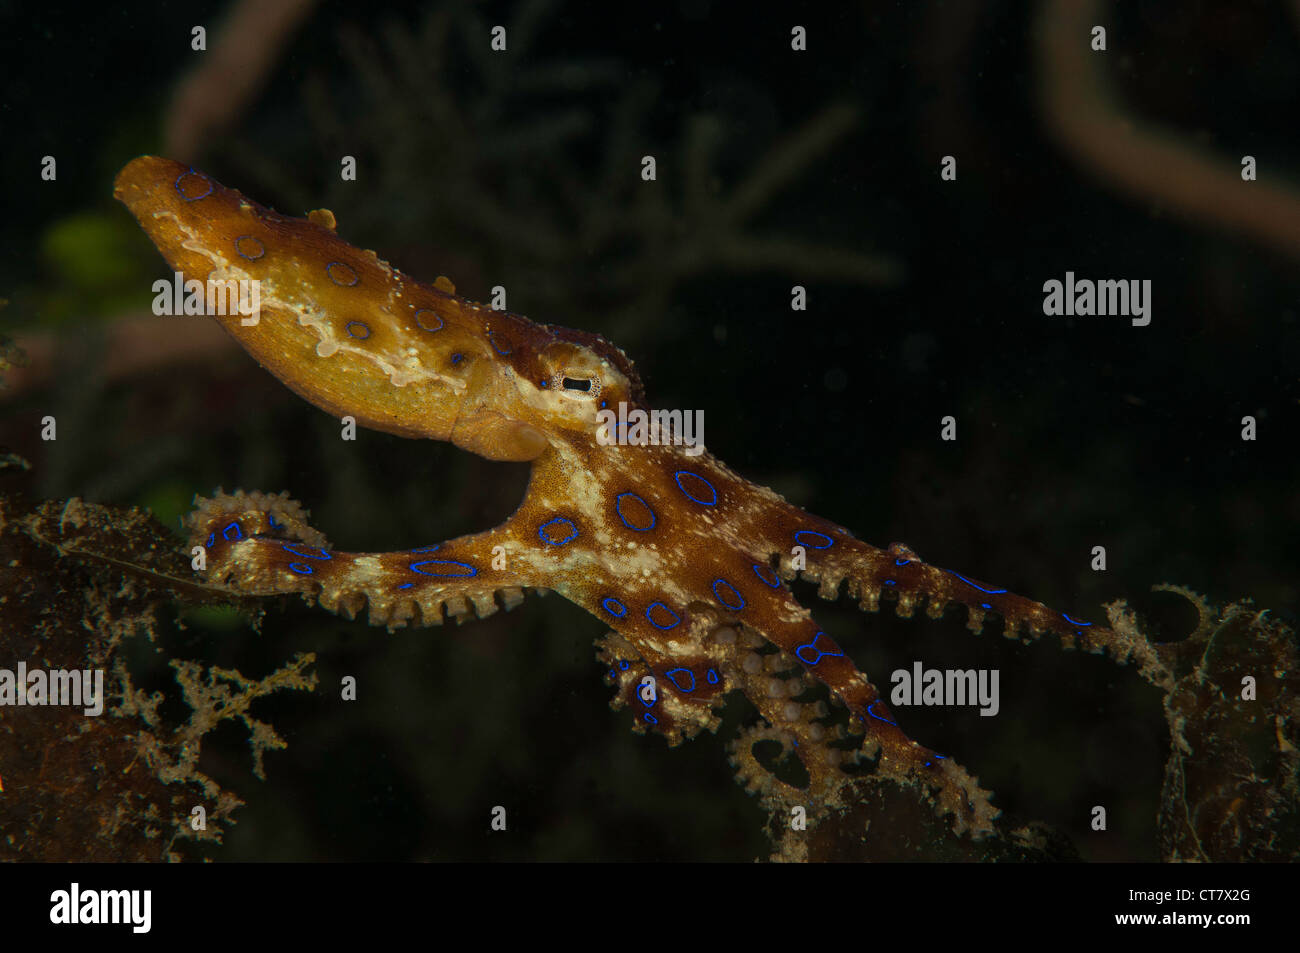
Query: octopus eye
x=578 y=384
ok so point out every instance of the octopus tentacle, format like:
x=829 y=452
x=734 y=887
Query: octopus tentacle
x=726 y=655
x=731 y=660
x=257 y=544
x=898 y=574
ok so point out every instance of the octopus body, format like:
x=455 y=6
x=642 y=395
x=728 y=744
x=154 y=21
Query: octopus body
x=685 y=561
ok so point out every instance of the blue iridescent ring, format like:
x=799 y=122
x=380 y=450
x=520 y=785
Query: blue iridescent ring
x=643 y=516
x=255 y=249
x=320 y=554
x=426 y=324
x=729 y=597
x=545 y=537
x=699 y=496
x=809 y=532
x=338 y=273
x=677 y=620
x=181 y=192
x=678 y=675
x=467 y=573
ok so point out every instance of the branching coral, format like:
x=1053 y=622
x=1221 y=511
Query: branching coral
x=532 y=176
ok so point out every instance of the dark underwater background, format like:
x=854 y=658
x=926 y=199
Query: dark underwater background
x=775 y=168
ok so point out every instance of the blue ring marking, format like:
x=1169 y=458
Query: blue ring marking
x=650 y=718
x=774 y=582
x=691 y=496
x=415 y=567
x=681 y=688
x=541 y=531
x=543 y=383
x=618 y=508
x=491 y=335
x=427 y=549
x=406 y=585
x=261 y=249
x=288 y=548
x=212 y=539
x=613 y=607
x=677 y=620
x=891 y=582
x=329 y=272
x=270 y=518
x=712 y=676
x=301 y=569
x=456 y=359
x=872 y=713
x=901 y=562
x=182 y=194
x=985 y=605
x=612 y=674
x=624 y=665
x=1073 y=621
x=424 y=327
x=739 y=597
x=821 y=653
x=362 y=325
x=812 y=532
x=239 y=532
x=991 y=592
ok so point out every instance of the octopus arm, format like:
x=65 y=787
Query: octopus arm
x=259 y=544
x=897 y=574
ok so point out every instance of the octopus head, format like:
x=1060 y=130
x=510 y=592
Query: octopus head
x=551 y=388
